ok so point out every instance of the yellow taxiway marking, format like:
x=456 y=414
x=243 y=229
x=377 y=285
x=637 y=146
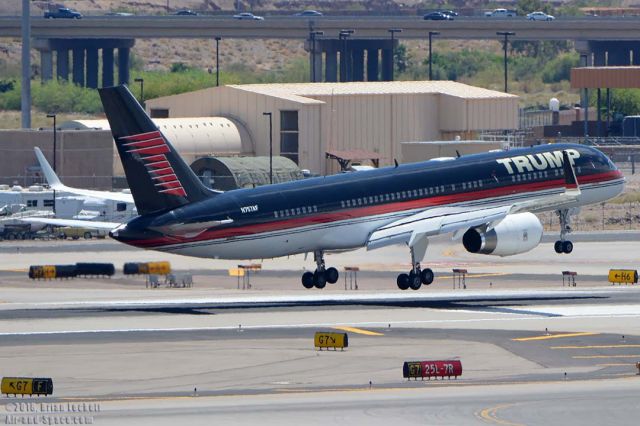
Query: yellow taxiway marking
x=490 y=415
x=359 y=331
x=596 y=347
x=604 y=356
x=552 y=336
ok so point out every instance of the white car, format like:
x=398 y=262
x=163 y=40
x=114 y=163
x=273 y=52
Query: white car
x=248 y=16
x=539 y=16
x=500 y=13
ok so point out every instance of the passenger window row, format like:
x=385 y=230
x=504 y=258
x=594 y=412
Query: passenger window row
x=531 y=176
x=296 y=212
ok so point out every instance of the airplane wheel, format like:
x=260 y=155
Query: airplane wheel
x=403 y=281
x=414 y=281
x=567 y=247
x=319 y=279
x=426 y=276
x=558 y=247
x=332 y=275
x=307 y=279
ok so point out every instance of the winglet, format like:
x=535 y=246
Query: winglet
x=570 y=180
x=52 y=178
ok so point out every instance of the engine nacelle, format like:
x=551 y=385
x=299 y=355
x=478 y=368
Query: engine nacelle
x=515 y=234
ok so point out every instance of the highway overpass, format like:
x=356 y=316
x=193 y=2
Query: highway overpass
x=133 y=27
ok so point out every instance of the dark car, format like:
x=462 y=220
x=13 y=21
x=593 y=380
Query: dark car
x=63 y=13
x=309 y=13
x=186 y=12
x=437 y=16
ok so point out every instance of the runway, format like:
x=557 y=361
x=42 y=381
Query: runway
x=533 y=351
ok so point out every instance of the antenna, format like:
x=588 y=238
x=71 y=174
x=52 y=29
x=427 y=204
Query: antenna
x=396 y=162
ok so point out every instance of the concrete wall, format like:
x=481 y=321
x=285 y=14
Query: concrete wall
x=84 y=158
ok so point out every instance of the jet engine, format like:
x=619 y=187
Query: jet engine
x=515 y=234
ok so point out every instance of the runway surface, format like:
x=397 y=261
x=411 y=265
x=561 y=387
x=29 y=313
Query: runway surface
x=533 y=352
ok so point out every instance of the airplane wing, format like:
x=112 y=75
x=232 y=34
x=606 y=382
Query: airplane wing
x=441 y=220
x=55 y=183
x=73 y=223
x=434 y=222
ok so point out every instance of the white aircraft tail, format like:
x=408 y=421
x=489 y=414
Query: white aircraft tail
x=52 y=178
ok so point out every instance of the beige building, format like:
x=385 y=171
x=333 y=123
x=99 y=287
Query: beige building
x=311 y=119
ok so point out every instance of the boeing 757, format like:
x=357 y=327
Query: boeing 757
x=488 y=200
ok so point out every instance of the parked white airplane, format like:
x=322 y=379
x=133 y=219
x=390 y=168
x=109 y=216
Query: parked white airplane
x=116 y=207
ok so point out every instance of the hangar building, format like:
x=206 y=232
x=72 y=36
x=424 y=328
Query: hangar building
x=312 y=120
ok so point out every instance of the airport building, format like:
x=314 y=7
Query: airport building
x=316 y=123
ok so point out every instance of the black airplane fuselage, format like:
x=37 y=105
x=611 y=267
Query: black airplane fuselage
x=341 y=211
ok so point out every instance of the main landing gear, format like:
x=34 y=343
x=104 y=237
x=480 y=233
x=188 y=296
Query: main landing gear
x=563 y=245
x=416 y=277
x=322 y=275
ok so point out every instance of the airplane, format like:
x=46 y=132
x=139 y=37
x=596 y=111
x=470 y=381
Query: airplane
x=488 y=200
x=116 y=206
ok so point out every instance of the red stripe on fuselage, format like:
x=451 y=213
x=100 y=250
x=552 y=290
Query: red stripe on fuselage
x=357 y=212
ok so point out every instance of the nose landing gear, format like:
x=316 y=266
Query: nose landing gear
x=563 y=245
x=322 y=275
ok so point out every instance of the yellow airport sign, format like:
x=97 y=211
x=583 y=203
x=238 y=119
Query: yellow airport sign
x=331 y=340
x=26 y=386
x=620 y=276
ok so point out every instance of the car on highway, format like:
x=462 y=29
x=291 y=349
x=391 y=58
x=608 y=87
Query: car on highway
x=63 y=13
x=309 y=13
x=186 y=12
x=540 y=16
x=500 y=13
x=248 y=16
x=437 y=16
x=449 y=12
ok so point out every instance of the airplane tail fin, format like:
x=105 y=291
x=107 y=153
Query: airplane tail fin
x=158 y=177
x=52 y=178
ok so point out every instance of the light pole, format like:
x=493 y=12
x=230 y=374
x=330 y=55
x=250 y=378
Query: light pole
x=312 y=37
x=218 y=61
x=54 y=139
x=431 y=34
x=54 y=155
x=343 y=35
x=506 y=35
x=141 y=81
x=393 y=31
x=270 y=146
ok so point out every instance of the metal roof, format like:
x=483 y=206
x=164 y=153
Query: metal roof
x=299 y=92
